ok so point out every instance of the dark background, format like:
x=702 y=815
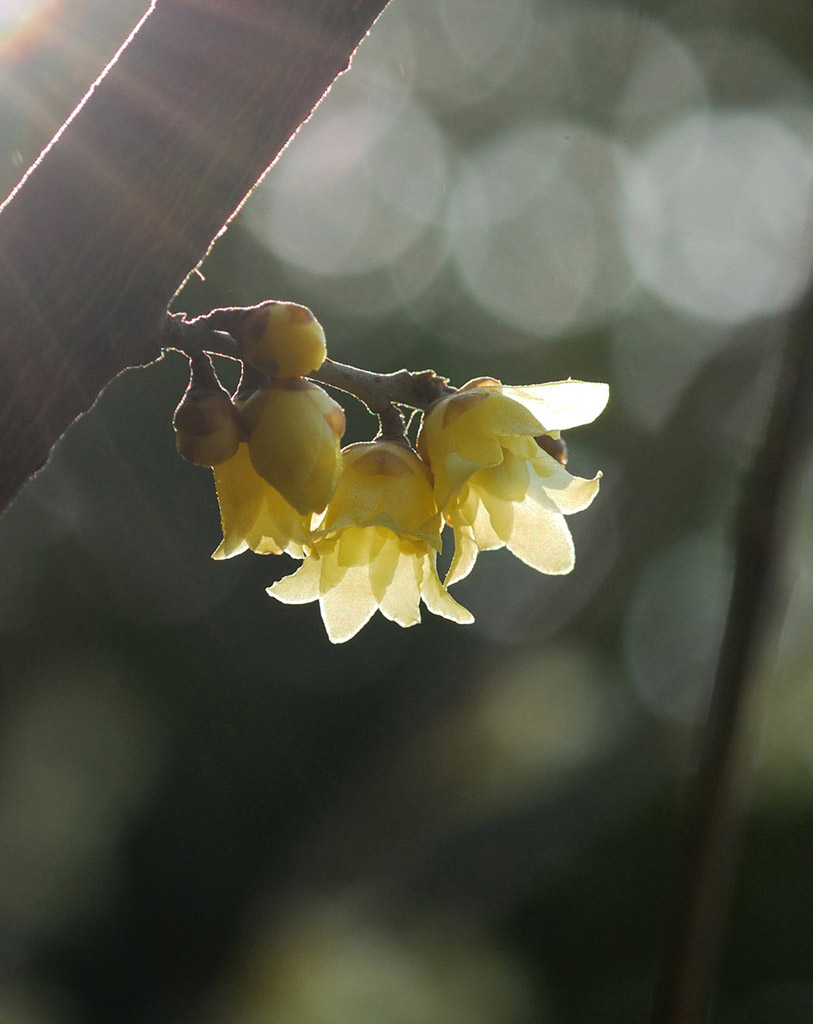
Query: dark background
x=208 y=812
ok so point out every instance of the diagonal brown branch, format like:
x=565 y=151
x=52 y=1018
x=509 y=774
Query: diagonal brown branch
x=130 y=196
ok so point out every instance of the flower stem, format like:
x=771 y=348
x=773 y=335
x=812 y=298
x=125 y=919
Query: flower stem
x=684 y=989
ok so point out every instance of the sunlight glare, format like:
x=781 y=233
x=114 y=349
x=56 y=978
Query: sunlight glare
x=22 y=23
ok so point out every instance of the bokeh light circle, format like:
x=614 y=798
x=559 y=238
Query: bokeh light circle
x=531 y=221
x=356 y=192
x=716 y=215
x=464 y=51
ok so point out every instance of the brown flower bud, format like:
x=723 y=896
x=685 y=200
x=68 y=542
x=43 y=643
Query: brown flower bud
x=554 y=446
x=207 y=426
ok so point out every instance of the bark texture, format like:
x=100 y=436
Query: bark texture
x=130 y=195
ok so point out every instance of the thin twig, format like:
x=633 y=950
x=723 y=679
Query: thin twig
x=415 y=388
x=215 y=332
x=685 y=985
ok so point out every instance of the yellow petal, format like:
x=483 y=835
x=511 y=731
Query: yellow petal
x=401 y=600
x=567 y=493
x=541 y=539
x=561 y=404
x=300 y=587
x=465 y=551
x=437 y=599
x=278 y=527
x=488 y=409
x=384 y=483
x=454 y=472
x=500 y=519
x=357 y=545
x=332 y=572
x=254 y=515
x=472 y=512
x=466 y=433
x=348 y=606
x=474 y=440
x=239 y=495
x=383 y=565
x=294 y=441
x=508 y=481
x=223 y=550
x=456 y=444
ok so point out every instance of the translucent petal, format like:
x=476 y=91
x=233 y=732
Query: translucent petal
x=541 y=539
x=508 y=481
x=382 y=482
x=271 y=531
x=354 y=546
x=437 y=599
x=348 y=606
x=562 y=404
x=506 y=418
x=425 y=533
x=456 y=444
x=523 y=448
x=568 y=493
x=292 y=444
x=465 y=551
x=299 y=588
x=499 y=523
x=239 y=495
x=470 y=515
x=475 y=440
x=452 y=473
x=254 y=515
x=261 y=544
x=354 y=504
x=459 y=446
x=383 y=567
x=332 y=572
x=234 y=547
x=485 y=536
x=402 y=598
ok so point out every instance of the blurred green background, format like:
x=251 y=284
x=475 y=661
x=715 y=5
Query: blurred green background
x=210 y=814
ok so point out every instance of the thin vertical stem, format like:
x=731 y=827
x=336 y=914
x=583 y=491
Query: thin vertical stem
x=705 y=874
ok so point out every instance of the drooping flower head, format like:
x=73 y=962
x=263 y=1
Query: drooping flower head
x=495 y=483
x=376 y=547
x=254 y=516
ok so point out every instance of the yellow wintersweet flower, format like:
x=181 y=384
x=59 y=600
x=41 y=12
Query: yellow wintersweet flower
x=294 y=429
x=254 y=515
x=376 y=547
x=494 y=483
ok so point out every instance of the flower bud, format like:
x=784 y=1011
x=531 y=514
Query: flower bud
x=554 y=445
x=283 y=339
x=207 y=426
x=294 y=429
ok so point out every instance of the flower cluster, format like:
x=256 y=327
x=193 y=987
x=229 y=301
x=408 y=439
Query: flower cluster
x=367 y=520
